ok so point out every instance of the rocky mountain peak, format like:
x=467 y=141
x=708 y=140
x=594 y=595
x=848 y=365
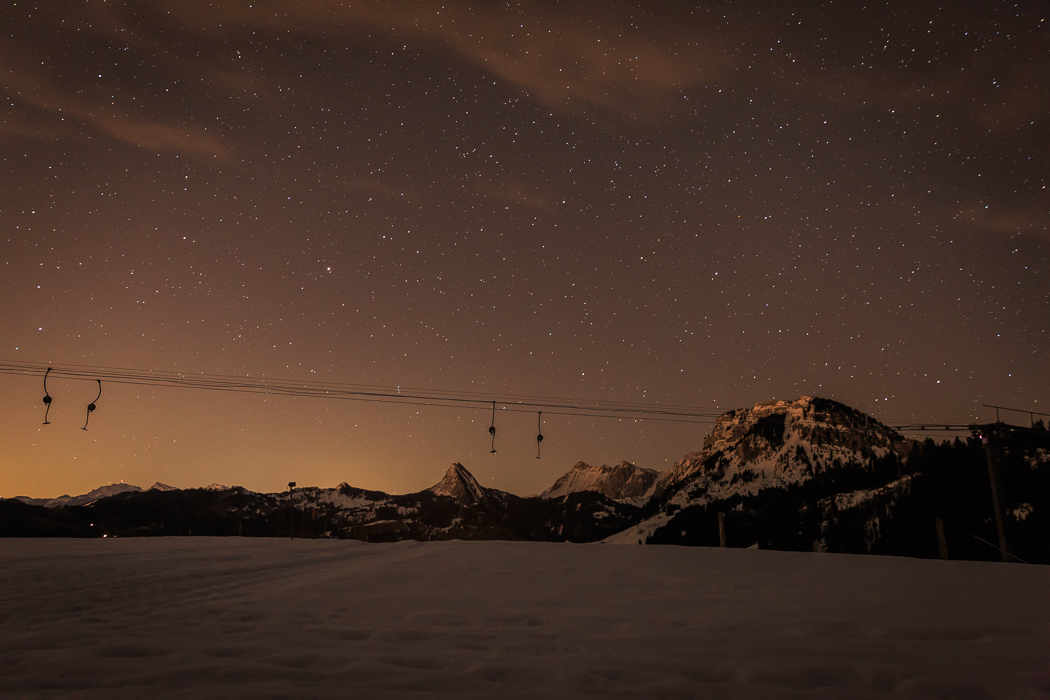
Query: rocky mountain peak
x=461 y=485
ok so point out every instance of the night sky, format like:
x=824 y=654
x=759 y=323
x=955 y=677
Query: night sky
x=628 y=202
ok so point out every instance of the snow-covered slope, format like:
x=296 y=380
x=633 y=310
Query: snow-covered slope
x=461 y=485
x=161 y=487
x=854 y=520
x=622 y=482
x=269 y=617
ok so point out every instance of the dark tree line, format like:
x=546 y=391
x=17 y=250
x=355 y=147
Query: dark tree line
x=947 y=480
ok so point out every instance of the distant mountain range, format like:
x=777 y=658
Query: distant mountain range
x=808 y=474
x=91 y=496
x=102 y=492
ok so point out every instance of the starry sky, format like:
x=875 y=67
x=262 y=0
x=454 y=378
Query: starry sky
x=619 y=202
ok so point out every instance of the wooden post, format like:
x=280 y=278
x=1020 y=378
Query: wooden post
x=721 y=529
x=997 y=493
x=327 y=520
x=291 y=530
x=942 y=544
x=240 y=527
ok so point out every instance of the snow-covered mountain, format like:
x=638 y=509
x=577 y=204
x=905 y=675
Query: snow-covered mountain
x=774 y=444
x=622 y=482
x=157 y=486
x=778 y=443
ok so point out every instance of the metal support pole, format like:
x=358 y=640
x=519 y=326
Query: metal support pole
x=995 y=481
x=721 y=529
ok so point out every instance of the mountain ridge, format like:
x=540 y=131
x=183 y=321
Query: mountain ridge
x=621 y=482
x=805 y=474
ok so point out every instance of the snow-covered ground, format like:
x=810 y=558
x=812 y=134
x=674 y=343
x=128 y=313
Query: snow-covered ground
x=199 y=617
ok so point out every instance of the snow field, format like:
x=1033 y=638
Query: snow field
x=201 y=617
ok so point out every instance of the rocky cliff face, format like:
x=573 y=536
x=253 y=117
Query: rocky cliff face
x=778 y=443
x=774 y=444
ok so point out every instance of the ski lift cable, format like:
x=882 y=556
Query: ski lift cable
x=417 y=397
x=331 y=390
x=246 y=383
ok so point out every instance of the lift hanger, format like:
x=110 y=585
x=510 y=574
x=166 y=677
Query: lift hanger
x=492 y=428
x=91 y=406
x=47 y=398
x=539 y=432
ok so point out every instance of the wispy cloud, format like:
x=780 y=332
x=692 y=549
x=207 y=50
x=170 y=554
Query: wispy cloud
x=110 y=113
x=512 y=190
x=1032 y=220
x=565 y=60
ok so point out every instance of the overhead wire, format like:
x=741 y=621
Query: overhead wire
x=435 y=398
x=382 y=394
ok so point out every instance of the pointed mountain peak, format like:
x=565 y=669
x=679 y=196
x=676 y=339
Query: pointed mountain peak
x=161 y=487
x=460 y=484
